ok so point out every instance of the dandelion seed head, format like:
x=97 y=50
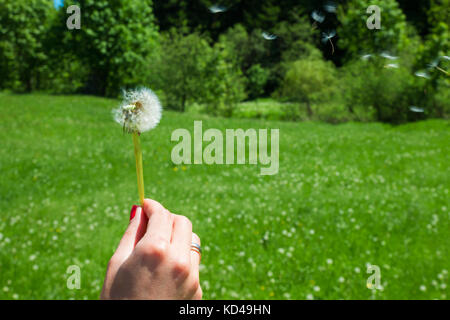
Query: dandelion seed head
x=140 y=111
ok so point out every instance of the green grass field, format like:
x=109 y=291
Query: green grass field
x=345 y=196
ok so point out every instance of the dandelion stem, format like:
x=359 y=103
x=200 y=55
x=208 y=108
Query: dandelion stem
x=332 y=46
x=139 y=169
x=442 y=70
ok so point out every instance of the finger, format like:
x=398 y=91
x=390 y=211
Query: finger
x=198 y=295
x=195 y=256
x=159 y=225
x=129 y=239
x=181 y=244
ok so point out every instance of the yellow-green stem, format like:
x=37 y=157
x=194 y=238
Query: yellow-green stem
x=139 y=169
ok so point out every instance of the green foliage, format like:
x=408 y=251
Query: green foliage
x=357 y=39
x=385 y=92
x=308 y=81
x=344 y=196
x=257 y=78
x=116 y=40
x=23 y=29
x=190 y=70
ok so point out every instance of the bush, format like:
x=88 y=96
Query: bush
x=356 y=38
x=256 y=80
x=386 y=93
x=190 y=70
x=309 y=81
x=23 y=28
x=115 y=42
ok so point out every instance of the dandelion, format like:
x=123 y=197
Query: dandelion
x=269 y=36
x=423 y=288
x=316 y=288
x=318 y=16
x=217 y=9
x=422 y=74
x=416 y=109
x=310 y=296
x=327 y=36
x=366 y=57
x=139 y=112
x=435 y=65
x=388 y=56
x=330 y=7
x=391 y=66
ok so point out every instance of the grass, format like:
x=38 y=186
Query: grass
x=345 y=196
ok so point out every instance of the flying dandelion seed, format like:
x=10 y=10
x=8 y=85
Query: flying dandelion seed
x=330 y=7
x=446 y=58
x=416 y=109
x=217 y=9
x=327 y=36
x=391 y=66
x=366 y=57
x=269 y=36
x=140 y=111
x=318 y=16
x=433 y=64
x=422 y=74
x=388 y=56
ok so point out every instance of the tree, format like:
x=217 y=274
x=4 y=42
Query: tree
x=24 y=26
x=308 y=81
x=356 y=38
x=116 y=40
x=190 y=70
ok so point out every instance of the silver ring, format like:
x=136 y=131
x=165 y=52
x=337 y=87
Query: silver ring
x=195 y=246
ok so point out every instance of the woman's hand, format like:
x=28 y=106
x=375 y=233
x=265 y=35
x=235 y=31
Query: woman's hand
x=154 y=259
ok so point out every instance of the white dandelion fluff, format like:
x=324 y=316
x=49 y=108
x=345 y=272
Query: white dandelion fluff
x=422 y=74
x=388 y=56
x=318 y=16
x=269 y=36
x=217 y=9
x=330 y=7
x=446 y=58
x=391 y=66
x=140 y=111
x=366 y=57
x=416 y=109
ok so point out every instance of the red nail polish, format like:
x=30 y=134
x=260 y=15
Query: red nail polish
x=133 y=211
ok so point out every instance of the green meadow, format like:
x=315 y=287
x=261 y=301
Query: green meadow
x=346 y=196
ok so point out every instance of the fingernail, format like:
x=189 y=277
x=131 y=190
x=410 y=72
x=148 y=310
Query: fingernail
x=133 y=211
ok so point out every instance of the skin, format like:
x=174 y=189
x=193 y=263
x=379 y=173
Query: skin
x=154 y=259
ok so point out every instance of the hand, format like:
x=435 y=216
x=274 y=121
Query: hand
x=154 y=259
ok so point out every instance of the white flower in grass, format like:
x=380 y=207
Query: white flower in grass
x=140 y=111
